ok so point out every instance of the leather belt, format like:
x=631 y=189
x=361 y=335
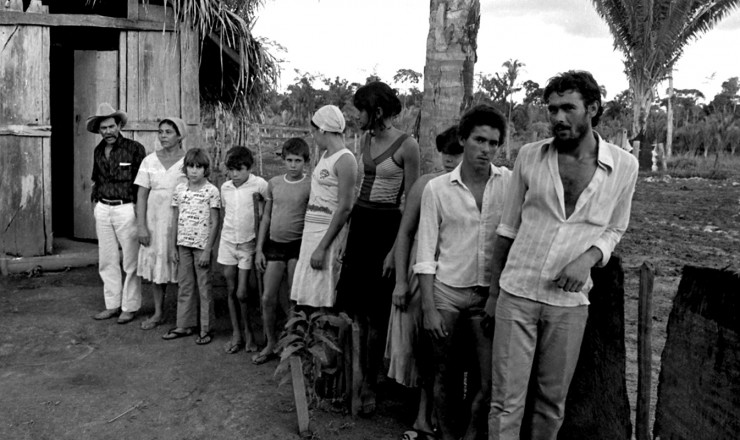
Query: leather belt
x=113 y=202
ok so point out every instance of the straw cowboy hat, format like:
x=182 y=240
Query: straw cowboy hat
x=104 y=112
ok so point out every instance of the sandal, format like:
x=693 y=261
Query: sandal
x=233 y=347
x=204 y=338
x=173 y=333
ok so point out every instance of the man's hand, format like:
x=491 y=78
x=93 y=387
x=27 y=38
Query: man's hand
x=174 y=255
x=574 y=274
x=434 y=324
x=317 y=258
x=260 y=261
x=401 y=296
x=144 y=238
x=389 y=264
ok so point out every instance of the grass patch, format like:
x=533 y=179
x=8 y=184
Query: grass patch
x=715 y=167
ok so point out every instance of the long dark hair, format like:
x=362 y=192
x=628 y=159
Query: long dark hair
x=374 y=96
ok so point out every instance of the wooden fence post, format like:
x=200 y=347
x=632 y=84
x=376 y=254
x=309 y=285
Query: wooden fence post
x=299 y=394
x=644 y=351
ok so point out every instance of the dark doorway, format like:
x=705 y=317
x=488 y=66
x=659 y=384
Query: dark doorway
x=64 y=42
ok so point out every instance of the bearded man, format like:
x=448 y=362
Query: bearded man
x=567 y=207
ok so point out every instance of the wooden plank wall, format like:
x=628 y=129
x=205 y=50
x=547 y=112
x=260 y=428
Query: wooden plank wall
x=158 y=81
x=25 y=202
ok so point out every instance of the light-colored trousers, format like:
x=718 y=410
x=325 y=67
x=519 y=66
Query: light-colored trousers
x=116 y=226
x=188 y=274
x=525 y=328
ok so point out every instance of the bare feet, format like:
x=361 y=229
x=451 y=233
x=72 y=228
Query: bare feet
x=251 y=347
x=151 y=322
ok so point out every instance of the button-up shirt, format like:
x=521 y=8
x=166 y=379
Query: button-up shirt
x=238 y=205
x=545 y=241
x=455 y=237
x=113 y=176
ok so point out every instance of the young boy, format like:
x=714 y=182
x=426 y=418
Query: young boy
x=285 y=209
x=237 y=245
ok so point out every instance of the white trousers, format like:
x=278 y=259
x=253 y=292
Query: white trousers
x=116 y=226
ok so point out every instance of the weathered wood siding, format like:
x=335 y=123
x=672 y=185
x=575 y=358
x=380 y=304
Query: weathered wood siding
x=159 y=78
x=25 y=178
x=699 y=387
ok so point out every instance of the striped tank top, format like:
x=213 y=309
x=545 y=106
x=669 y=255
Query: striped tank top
x=382 y=182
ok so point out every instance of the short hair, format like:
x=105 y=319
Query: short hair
x=377 y=95
x=239 y=156
x=448 y=142
x=482 y=115
x=197 y=157
x=579 y=81
x=296 y=146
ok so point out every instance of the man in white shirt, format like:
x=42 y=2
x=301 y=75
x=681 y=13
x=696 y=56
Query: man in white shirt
x=459 y=215
x=568 y=205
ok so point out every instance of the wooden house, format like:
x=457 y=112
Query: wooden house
x=58 y=60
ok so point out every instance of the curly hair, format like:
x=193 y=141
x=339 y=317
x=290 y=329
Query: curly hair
x=580 y=81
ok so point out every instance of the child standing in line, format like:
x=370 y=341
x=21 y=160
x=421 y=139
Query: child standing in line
x=324 y=231
x=195 y=206
x=285 y=209
x=237 y=246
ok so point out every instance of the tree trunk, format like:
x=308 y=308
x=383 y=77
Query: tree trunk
x=448 y=74
x=669 y=120
x=642 y=95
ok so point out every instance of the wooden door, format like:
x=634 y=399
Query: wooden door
x=95 y=81
x=25 y=176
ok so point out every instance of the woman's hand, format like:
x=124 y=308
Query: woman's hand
x=434 y=324
x=144 y=238
x=174 y=255
x=401 y=296
x=317 y=258
x=260 y=261
x=389 y=264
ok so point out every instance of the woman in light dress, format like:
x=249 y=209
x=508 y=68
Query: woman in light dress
x=159 y=174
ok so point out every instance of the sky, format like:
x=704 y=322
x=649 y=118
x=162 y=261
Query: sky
x=354 y=39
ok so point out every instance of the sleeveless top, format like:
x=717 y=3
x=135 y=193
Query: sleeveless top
x=324 y=197
x=382 y=183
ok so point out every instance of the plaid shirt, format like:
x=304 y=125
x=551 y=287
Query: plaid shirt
x=113 y=177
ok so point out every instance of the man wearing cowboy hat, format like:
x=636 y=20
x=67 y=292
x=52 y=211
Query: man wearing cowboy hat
x=115 y=164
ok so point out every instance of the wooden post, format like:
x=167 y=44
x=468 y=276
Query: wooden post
x=644 y=352
x=356 y=402
x=636 y=149
x=299 y=393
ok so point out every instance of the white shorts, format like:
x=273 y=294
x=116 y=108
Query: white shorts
x=241 y=255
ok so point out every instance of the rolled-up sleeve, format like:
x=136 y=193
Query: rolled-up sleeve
x=511 y=218
x=618 y=222
x=428 y=234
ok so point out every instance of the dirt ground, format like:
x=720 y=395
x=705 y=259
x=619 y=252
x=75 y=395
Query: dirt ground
x=66 y=376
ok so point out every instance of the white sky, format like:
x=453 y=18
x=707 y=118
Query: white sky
x=353 y=39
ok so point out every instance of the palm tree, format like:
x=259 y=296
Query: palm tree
x=448 y=74
x=512 y=72
x=652 y=35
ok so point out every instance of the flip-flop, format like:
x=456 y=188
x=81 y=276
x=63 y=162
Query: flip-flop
x=233 y=347
x=174 y=334
x=204 y=339
x=264 y=358
x=149 y=324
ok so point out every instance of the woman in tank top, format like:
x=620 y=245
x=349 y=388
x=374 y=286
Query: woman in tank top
x=329 y=206
x=389 y=161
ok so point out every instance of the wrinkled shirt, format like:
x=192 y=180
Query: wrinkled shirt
x=455 y=238
x=545 y=241
x=113 y=177
x=238 y=204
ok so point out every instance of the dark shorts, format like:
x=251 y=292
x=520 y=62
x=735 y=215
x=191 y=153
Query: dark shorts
x=275 y=251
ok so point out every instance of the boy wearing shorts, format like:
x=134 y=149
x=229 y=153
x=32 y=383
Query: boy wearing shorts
x=279 y=238
x=238 y=236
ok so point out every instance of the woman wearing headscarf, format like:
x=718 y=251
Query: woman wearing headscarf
x=159 y=174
